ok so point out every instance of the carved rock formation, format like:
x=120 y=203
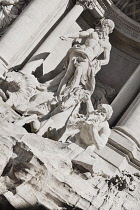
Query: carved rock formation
x=49 y=149
x=59 y=176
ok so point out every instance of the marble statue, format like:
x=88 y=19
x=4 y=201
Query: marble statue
x=58 y=117
x=53 y=113
x=48 y=144
x=94 y=130
x=17 y=89
x=82 y=61
x=90 y=130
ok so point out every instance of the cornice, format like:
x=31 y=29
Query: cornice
x=123 y=23
x=106 y=8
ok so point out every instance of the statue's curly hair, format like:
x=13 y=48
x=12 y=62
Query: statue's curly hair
x=109 y=22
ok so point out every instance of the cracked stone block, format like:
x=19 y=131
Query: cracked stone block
x=86 y=161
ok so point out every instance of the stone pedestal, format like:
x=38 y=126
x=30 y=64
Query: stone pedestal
x=115 y=160
x=90 y=162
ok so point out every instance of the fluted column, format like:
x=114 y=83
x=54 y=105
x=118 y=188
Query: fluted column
x=29 y=29
x=60 y=30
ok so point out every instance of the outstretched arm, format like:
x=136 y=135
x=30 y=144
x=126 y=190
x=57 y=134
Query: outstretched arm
x=89 y=104
x=81 y=34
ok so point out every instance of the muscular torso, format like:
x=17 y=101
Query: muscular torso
x=94 y=45
x=87 y=131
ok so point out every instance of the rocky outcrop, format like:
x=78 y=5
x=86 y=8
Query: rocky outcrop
x=38 y=171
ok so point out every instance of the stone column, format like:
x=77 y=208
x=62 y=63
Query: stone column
x=122 y=150
x=29 y=29
x=125 y=96
x=129 y=124
x=60 y=30
x=125 y=136
x=65 y=24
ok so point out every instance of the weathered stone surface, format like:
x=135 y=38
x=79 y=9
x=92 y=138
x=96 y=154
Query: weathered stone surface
x=70 y=173
x=92 y=163
x=53 y=182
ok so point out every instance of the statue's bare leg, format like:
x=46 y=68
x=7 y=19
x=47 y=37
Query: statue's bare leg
x=81 y=68
x=89 y=104
x=68 y=75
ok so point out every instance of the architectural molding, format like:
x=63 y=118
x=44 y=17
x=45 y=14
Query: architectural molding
x=130 y=8
x=124 y=145
x=123 y=23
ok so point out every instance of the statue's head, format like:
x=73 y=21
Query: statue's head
x=107 y=25
x=12 y=76
x=106 y=110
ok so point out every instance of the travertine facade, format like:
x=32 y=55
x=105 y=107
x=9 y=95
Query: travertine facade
x=63 y=66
